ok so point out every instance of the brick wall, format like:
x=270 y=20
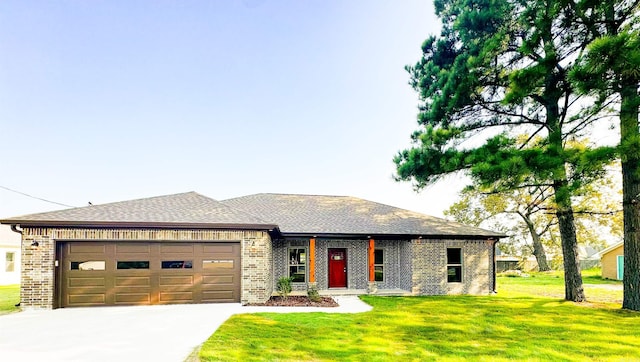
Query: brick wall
x=257 y=267
x=357 y=266
x=429 y=258
x=38 y=271
x=397 y=262
x=396 y=268
x=281 y=261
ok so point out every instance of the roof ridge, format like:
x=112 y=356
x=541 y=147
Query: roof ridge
x=148 y=198
x=236 y=209
x=284 y=194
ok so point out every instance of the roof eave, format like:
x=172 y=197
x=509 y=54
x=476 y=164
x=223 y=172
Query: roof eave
x=388 y=236
x=126 y=224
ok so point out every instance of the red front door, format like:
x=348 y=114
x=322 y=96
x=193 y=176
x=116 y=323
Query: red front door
x=337 y=268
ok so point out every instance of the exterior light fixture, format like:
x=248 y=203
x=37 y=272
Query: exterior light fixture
x=35 y=245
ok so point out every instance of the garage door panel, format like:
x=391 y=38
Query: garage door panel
x=129 y=273
x=177 y=248
x=86 y=299
x=217 y=279
x=141 y=248
x=218 y=249
x=86 y=282
x=130 y=281
x=177 y=280
x=86 y=248
x=183 y=297
x=133 y=298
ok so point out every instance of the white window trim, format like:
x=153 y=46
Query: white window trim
x=306 y=263
x=461 y=265
x=384 y=275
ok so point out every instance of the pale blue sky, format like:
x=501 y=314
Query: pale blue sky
x=107 y=101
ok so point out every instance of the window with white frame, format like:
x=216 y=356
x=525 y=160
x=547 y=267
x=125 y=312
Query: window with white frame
x=454 y=265
x=298 y=264
x=378 y=265
x=10 y=261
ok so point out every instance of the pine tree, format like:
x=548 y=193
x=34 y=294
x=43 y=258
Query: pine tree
x=500 y=67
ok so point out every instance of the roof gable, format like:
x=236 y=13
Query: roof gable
x=188 y=209
x=316 y=214
x=611 y=248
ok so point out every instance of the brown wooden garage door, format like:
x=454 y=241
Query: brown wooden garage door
x=128 y=273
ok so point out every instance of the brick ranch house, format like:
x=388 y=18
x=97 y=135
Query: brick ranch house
x=188 y=248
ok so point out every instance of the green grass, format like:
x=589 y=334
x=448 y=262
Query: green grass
x=9 y=297
x=525 y=321
x=551 y=284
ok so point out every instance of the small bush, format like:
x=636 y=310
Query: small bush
x=314 y=295
x=514 y=274
x=284 y=286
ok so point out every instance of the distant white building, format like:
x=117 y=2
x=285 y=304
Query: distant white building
x=9 y=256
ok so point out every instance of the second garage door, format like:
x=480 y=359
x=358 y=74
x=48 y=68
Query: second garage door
x=130 y=273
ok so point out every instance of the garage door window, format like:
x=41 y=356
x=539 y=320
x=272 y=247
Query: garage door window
x=177 y=264
x=217 y=264
x=133 y=264
x=88 y=265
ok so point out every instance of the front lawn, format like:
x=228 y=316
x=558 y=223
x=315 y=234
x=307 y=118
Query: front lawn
x=512 y=325
x=551 y=284
x=9 y=297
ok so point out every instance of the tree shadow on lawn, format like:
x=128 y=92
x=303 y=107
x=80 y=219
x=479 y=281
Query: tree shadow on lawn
x=518 y=328
x=434 y=328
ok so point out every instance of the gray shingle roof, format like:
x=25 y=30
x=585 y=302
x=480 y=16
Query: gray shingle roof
x=312 y=214
x=292 y=214
x=188 y=209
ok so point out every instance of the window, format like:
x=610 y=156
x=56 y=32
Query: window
x=133 y=265
x=454 y=265
x=88 y=265
x=10 y=265
x=298 y=264
x=217 y=264
x=177 y=264
x=378 y=264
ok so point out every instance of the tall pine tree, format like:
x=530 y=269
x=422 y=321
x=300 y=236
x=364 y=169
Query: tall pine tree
x=610 y=70
x=500 y=67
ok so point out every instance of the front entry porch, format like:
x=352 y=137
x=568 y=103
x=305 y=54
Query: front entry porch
x=344 y=266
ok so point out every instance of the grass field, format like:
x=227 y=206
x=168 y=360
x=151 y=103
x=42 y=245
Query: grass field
x=527 y=320
x=551 y=284
x=9 y=297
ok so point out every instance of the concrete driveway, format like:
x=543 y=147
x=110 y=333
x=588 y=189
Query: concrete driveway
x=141 y=333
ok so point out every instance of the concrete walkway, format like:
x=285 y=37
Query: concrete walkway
x=140 y=333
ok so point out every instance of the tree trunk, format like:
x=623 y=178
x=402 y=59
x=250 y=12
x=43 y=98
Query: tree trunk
x=573 y=289
x=539 y=253
x=538 y=248
x=630 y=154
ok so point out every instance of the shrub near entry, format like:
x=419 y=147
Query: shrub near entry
x=314 y=295
x=284 y=286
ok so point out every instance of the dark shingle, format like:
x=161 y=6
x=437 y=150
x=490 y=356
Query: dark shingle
x=313 y=214
x=187 y=208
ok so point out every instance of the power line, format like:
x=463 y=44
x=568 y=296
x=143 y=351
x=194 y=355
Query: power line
x=35 y=197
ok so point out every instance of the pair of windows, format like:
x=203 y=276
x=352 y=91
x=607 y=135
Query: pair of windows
x=298 y=264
